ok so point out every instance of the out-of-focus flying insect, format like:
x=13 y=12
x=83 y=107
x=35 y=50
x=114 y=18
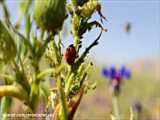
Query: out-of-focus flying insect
x=128 y=27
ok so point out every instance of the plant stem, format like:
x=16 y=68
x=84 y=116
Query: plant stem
x=5 y=107
x=44 y=73
x=116 y=107
x=69 y=83
x=62 y=100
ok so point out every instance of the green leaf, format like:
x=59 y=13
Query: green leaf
x=7 y=45
x=24 y=6
x=6 y=13
x=28 y=26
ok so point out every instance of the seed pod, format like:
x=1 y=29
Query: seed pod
x=7 y=45
x=50 y=14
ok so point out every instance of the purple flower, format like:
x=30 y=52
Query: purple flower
x=125 y=73
x=113 y=72
x=110 y=73
x=116 y=76
x=128 y=74
x=105 y=72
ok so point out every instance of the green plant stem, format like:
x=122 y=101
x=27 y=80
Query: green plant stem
x=62 y=100
x=50 y=71
x=14 y=91
x=134 y=115
x=131 y=114
x=137 y=116
x=116 y=107
x=34 y=94
x=69 y=83
x=5 y=107
x=45 y=72
x=81 y=59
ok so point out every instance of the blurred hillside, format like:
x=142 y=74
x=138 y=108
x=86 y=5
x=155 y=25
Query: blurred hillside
x=148 y=66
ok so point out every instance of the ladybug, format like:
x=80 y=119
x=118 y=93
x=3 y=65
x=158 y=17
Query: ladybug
x=70 y=55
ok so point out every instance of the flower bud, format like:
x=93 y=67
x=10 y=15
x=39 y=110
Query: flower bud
x=50 y=14
x=88 y=8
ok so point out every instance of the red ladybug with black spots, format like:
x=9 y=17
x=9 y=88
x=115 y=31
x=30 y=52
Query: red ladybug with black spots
x=70 y=55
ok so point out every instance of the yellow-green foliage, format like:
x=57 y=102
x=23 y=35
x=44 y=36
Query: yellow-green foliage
x=7 y=45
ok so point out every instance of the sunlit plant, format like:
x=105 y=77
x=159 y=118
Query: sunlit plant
x=22 y=55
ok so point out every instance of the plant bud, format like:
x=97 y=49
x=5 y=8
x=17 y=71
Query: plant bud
x=88 y=8
x=50 y=14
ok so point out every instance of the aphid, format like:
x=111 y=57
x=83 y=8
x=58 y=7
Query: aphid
x=70 y=55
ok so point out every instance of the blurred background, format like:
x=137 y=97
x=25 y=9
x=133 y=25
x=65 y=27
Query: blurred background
x=133 y=40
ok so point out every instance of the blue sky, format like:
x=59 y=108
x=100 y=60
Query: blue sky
x=116 y=46
x=144 y=41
